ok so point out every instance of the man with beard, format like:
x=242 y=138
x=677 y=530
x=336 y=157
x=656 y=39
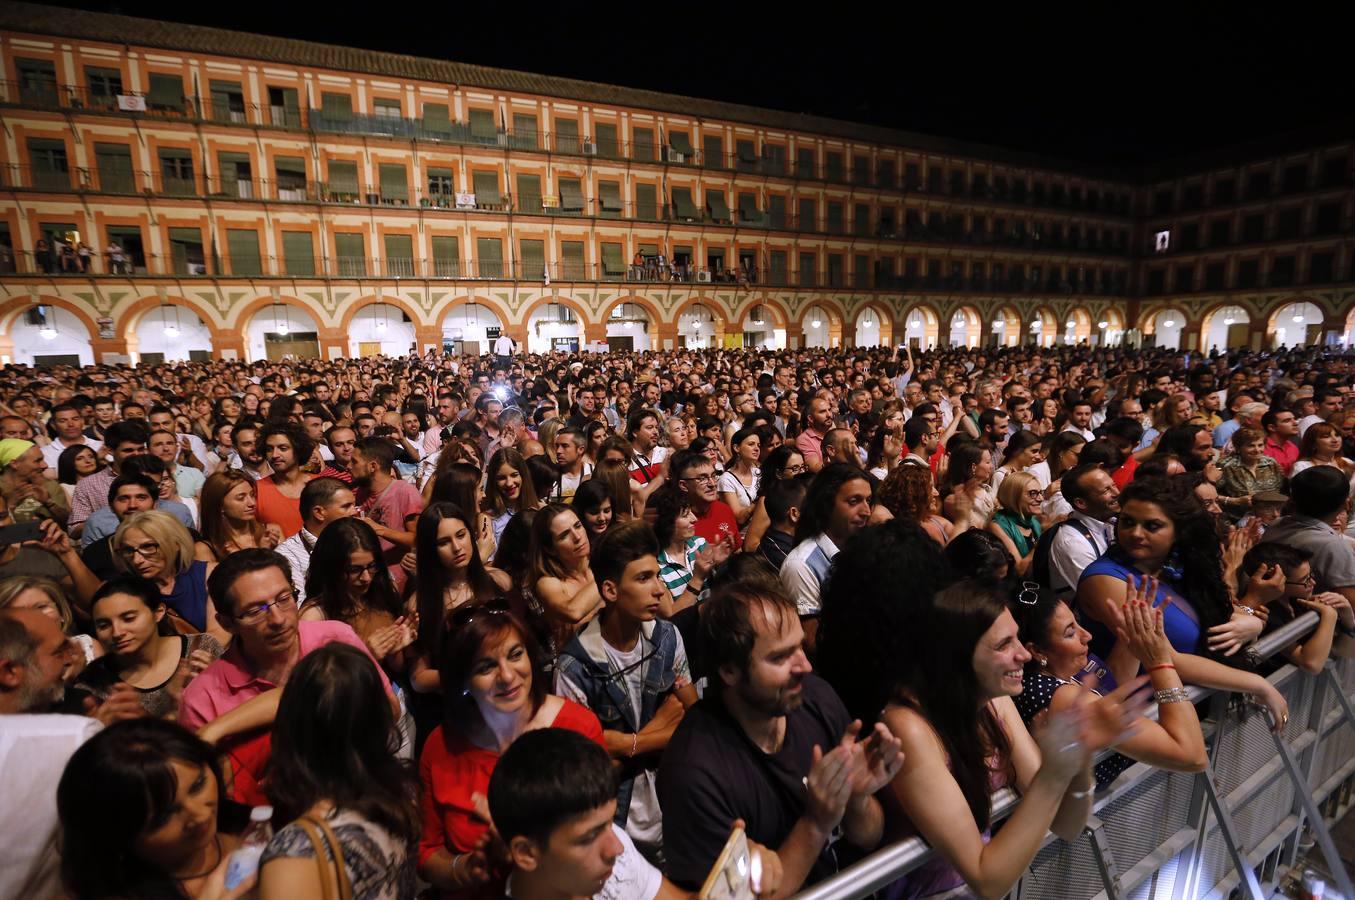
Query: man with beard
x=248 y=455
x=387 y=502
x=1075 y=543
x=287 y=448
x=770 y=744
x=252 y=592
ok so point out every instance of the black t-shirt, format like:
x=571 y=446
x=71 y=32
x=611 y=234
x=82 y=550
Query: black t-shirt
x=712 y=774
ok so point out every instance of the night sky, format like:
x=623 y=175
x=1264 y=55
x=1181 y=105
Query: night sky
x=1113 y=83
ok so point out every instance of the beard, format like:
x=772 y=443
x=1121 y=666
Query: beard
x=36 y=697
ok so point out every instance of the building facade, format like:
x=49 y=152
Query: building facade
x=174 y=192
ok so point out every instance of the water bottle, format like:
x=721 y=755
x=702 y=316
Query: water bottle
x=244 y=862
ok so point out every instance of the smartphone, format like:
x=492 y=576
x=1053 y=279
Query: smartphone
x=17 y=534
x=733 y=875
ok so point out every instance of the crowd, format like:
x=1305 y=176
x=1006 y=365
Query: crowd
x=554 y=625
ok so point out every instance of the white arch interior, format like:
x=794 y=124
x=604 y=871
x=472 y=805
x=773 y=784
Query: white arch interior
x=762 y=331
x=1216 y=335
x=381 y=328
x=921 y=326
x=1298 y=323
x=816 y=328
x=1044 y=328
x=554 y=326
x=467 y=324
x=868 y=328
x=696 y=327
x=174 y=331
x=285 y=321
x=628 y=320
x=964 y=330
x=1167 y=326
x=60 y=334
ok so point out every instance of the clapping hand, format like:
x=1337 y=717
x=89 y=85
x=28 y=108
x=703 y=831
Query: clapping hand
x=709 y=557
x=123 y=702
x=877 y=759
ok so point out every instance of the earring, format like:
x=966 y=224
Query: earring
x=1042 y=661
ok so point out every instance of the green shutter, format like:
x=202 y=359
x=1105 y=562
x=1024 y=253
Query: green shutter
x=394 y=183
x=343 y=180
x=298 y=253
x=749 y=214
x=114 y=162
x=612 y=266
x=646 y=202
x=715 y=203
x=572 y=263
x=682 y=143
x=166 y=92
x=807 y=218
x=352 y=254
x=834 y=217
x=185 y=249
x=233 y=170
x=609 y=199
x=861 y=220
x=532 y=263
x=489 y=257
x=776 y=211
x=861 y=275
x=435 y=119
x=399 y=255
x=338 y=107
x=604 y=137
x=642 y=143
x=291 y=176
x=779 y=266
x=243 y=246
x=446 y=257
x=683 y=207
x=524 y=131
x=571 y=196
x=486 y=189
x=51 y=168
x=228 y=101
x=567 y=136
x=528 y=199
x=482 y=128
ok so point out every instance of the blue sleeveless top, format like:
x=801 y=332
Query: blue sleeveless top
x=1180 y=620
x=189 y=596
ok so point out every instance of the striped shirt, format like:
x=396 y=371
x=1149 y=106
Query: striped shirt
x=677 y=573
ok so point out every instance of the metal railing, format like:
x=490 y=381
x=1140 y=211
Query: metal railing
x=1158 y=835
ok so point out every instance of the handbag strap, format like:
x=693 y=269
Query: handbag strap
x=333 y=878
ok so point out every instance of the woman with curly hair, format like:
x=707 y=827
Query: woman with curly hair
x=909 y=494
x=1165 y=532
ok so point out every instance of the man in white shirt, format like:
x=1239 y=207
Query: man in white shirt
x=570 y=443
x=323 y=500
x=70 y=432
x=1329 y=403
x=162 y=419
x=1089 y=531
x=1080 y=420
x=503 y=349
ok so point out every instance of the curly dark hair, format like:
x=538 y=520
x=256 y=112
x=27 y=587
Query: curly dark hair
x=907 y=492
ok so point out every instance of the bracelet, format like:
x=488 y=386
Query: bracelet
x=1162 y=666
x=634 y=743
x=1241 y=607
x=456 y=858
x=1173 y=695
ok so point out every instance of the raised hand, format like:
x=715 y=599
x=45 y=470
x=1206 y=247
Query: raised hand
x=1143 y=633
x=1266 y=583
x=879 y=758
x=829 y=786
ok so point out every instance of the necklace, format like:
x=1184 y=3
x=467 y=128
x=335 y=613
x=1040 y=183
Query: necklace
x=216 y=843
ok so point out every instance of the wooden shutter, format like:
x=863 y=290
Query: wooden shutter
x=532 y=262
x=489 y=256
x=572 y=263
x=352 y=253
x=446 y=256
x=298 y=253
x=399 y=255
x=243 y=246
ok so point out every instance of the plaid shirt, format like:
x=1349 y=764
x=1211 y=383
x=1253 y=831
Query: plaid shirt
x=677 y=573
x=91 y=494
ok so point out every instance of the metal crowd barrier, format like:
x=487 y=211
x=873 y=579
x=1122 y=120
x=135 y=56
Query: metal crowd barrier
x=1237 y=827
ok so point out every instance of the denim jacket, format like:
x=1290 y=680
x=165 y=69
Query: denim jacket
x=584 y=662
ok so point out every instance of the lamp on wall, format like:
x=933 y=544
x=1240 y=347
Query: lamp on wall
x=381 y=326
x=171 y=328
x=280 y=326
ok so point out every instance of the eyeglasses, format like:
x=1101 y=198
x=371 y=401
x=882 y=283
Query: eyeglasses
x=356 y=571
x=1306 y=581
x=256 y=614
x=793 y=470
x=708 y=478
x=1035 y=494
x=148 y=550
x=1029 y=595
x=466 y=613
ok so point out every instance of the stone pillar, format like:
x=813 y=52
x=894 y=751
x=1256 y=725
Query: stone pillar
x=427 y=336
x=795 y=336
x=333 y=343
x=228 y=344
x=665 y=336
x=110 y=350
x=594 y=332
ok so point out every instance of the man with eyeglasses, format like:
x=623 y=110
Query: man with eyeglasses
x=694 y=478
x=252 y=592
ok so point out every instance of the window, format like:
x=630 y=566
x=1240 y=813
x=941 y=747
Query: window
x=114 y=163
x=642 y=143
x=1258 y=185
x=482 y=127
x=978 y=186
x=912 y=177
x=185 y=252
x=1295 y=178
x=936 y=180
x=51 y=169
x=394 y=184
x=834 y=217
x=298 y=253
x=835 y=270
x=808 y=277
x=176 y=172
x=746 y=153
x=1220 y=232
x=342 y=186
x=1248 y=273
x=860 y=169
x=779 y=266
x=291 y=175
x=613 y=268
x=713 y=151
x=489 y=257
x=1254 y=227
x=832 y=166
x=609 y=199
x=528 y=199
x=776 y=211
x=351 y=252
x=861 y=219
x=524 y=131
x=446 y=256
x=1334 y=169
x=681 y=144
x=441 y=186
x=336 y=107
x=1282 y=269
x=646 y=202
x=804 y=163
x=684 y=209
x=573 y=267
x=885 y=176
x=716 y=206
x=284 y=108
x=1189 y=236
x=37 y=81
x=749 y=214
x=235 y=175
x=243 y=246
x=887 y=227
x=531 y=260
x=807 y=219
x=1214 y=276
x=1287 y=223
x=774 y=159
x=103 y=86
x=1321 y=268
x=436 y=121
x=227 y=103
x=1328 y=219
x=567 y=136
x=604 y=137
x=487 y=194
x=1225 y=190
x=1183 y=278
x=1162 y=241
x=861 y=271
x=399 y=262
x=957 y=183
x=571 y=196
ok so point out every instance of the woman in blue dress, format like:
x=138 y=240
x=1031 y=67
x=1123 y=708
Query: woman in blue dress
x=1165 y=532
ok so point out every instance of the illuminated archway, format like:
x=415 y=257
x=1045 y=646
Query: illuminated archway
x=171 y=332
x=380 y=328
x=630 y=324
x=1077 y=326
x=697 y=326
x=1166 y=327
x=555 y=325
x=281 y=329
x=965 y=327
x=817 y=326
x=921 y=328
x=469 y=326
x=873 y=326
x=1043 y=328
x=1110 y=328
x=1224 y=327
x=1296 y=324
x=1006 y=327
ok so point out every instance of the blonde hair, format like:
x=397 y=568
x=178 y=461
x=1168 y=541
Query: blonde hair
x=176 y=544
x=1013 y=488
x=11 y=588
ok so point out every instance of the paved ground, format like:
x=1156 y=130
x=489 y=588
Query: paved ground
x=1344 y=837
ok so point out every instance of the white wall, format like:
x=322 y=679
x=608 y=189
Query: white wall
x=816 y=337
x=1169 y=338
x=192 y=333
x=868 y=335
x=396 y=337
x=539 y=339
x=468 y=323
x=266 y=319
x=1217 y=334
x=697 y=336
x=70 y=338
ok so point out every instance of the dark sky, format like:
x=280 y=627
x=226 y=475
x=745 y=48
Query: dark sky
x=1114 y=83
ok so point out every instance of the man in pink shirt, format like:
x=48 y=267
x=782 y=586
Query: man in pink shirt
x=236 y=696
x=387 y=502
x=819 y=421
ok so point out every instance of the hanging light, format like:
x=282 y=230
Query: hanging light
x=999 y=324
x=1228 y=319
x=1168 y=323
x=815 y=323
x=171 y=328
x=1103 y=324
x=1036 y=325
x=915 y=325
x=1071 y=324
x=381 y=326
x=282 y=327
x=1298 y=318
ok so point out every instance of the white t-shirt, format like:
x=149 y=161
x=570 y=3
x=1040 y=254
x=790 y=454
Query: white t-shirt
x=632 y=878
x=730 y=483
x=503 y=345
x=52 y=452
x=644 y=819
x=34 y=750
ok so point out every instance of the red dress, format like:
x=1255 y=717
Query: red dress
x=451 y=769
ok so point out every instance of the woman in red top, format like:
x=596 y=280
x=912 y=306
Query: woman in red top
x=490 y=667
